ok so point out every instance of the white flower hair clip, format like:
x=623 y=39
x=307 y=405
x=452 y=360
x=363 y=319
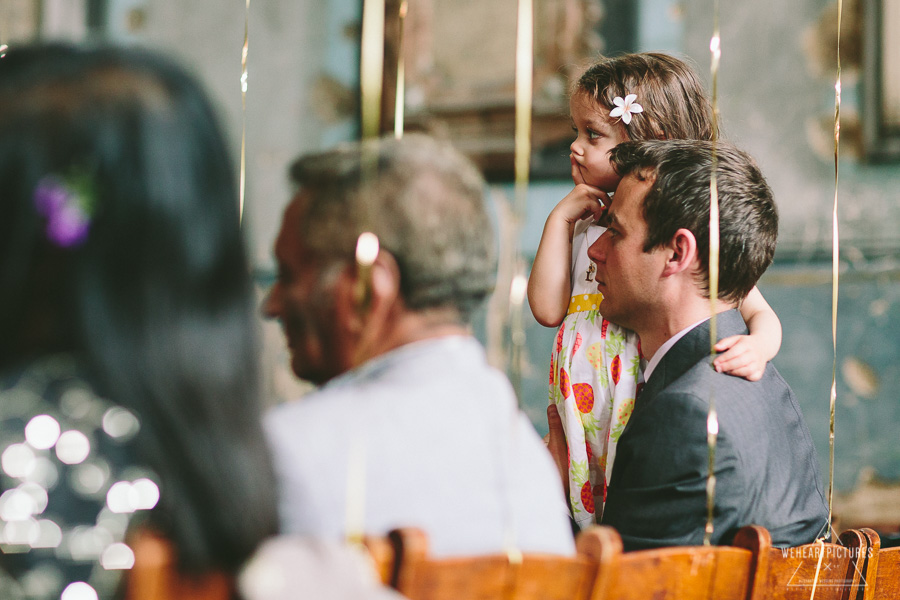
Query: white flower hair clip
x=625 y=108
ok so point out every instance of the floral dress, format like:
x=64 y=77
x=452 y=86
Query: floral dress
x=595 y=371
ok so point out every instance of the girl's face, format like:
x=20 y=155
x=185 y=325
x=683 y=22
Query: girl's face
x=596 y=135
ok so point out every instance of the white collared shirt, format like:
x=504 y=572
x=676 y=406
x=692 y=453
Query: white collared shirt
x=439 y=443
x=667 y=345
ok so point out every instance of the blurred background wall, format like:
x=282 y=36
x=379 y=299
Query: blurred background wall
x=776 y=92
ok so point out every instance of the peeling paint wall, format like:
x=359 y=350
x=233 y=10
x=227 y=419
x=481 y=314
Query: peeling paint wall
x=301 y=69
x=776 y=91
x=777 y=101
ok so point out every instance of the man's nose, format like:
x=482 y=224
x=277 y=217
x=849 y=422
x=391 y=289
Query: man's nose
x=596 y=251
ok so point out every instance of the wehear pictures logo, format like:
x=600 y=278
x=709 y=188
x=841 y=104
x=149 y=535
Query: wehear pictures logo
x=827 y=565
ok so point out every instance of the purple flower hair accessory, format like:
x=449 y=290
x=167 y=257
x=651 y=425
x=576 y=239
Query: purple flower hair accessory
x=67 y=204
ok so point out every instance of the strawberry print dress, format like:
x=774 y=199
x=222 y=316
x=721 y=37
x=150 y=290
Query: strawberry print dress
x=595 y=370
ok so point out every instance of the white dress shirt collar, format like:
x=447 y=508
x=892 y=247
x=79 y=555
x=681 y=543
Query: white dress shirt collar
x=667 y=345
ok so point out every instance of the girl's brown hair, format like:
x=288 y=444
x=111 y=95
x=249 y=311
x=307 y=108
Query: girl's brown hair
x=669 y=90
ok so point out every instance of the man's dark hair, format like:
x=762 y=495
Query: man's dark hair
x=680 y=199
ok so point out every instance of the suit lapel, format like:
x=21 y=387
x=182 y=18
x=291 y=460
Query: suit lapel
x=686 y=352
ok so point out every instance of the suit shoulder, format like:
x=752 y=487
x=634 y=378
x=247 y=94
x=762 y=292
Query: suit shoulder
x=678 y=409
x=702 y=379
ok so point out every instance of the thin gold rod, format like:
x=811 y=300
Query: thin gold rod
x=712 y=419
x=524 y=83
x=355 y=508
x=519 y=282
x=372 y=67
x=3 y=30
x=821 y=544
x=835 y=264
x=401 y=75
x=243 y=182
x=522 y=157
x=371 y=76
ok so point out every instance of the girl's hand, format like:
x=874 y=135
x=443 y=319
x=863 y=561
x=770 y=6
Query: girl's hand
x=549 y=284
x=740 y=357
x=583 y=202
x=577 y=175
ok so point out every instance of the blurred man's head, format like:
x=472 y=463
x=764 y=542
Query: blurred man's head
x=424 y=201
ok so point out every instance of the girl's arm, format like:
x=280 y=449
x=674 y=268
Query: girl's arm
x=549 y=285
x=746 y=355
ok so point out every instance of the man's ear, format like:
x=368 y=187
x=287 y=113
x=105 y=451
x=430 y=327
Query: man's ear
x=385 y=281
x=682 y=253
x=381 y=287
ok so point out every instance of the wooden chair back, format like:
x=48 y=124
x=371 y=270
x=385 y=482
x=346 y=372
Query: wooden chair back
x=682 y=572
x=530 y=576
x=798 y=574
x=155 y=574
x=381 y=551
x=882 y=571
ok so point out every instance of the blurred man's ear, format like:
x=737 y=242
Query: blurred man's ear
x=384 y=283
x=364 y=319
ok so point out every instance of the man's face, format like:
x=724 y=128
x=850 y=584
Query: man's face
x=628 y=277
x=301 y=299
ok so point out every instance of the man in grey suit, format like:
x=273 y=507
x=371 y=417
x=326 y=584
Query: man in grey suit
x=653 y=271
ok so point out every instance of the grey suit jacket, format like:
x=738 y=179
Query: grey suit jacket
x=766 y=467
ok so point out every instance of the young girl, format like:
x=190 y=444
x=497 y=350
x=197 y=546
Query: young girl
x=596 y=366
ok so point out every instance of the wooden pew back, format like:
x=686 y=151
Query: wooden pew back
x=684 y=572
x=155 y=575
x=531 y=576
x=882 y=571
x=795 y=573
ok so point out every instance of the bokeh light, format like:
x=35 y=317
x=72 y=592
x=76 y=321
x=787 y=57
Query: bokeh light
x=73 y=447
x=42 y=432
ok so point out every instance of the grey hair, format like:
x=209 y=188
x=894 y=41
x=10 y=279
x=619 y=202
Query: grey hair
x=424 y=201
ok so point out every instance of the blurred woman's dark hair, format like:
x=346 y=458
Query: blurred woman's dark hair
x=153 y=293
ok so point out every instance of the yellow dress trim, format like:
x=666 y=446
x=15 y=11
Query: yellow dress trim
x=584 y=302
